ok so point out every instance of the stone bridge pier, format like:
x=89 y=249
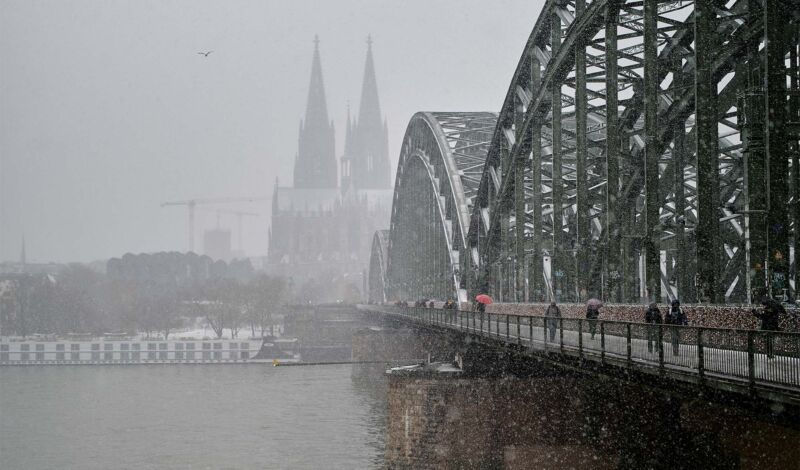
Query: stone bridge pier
x=487 y=407
x=444 y=419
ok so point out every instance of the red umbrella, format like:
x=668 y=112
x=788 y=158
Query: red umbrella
x=484 y=299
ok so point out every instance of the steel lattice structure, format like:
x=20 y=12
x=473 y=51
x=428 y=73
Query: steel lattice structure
x=378 y=260
x=440 y=168
x=644 y=149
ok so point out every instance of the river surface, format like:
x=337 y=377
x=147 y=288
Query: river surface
x=192 y=417
x=347 y=417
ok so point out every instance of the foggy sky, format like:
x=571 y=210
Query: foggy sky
x=106 y=109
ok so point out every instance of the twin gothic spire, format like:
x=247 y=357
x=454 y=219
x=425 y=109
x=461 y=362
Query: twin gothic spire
x=365 y=163
x=315 y=163
x=369 y=146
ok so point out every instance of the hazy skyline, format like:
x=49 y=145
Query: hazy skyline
x=108 y=110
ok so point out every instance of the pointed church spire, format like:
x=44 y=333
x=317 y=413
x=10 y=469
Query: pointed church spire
x=345 y=163
x=370 y=155
x=22 y=256
x=275 y=195
x=348 y=133
x=369 y=111
x=315 y=163
x=316 y=105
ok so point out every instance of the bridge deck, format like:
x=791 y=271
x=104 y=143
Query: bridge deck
x=729 y=359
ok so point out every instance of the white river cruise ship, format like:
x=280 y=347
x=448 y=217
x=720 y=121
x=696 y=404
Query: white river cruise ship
x=126 y=351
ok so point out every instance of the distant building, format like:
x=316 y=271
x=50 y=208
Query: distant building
x=322 y=226
x=24 y=267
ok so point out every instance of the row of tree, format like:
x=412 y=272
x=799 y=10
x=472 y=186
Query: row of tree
x=146 y=299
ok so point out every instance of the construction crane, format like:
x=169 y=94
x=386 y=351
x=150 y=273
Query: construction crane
x=191 y=204
x=239 y=215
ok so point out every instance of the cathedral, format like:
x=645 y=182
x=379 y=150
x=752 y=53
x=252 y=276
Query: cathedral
x=322 y=225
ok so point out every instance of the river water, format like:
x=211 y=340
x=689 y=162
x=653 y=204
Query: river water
x=192 y=417
x=347 y=417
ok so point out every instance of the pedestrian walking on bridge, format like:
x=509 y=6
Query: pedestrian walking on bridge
x=770 y=321
x=453 y=307
x=675 y=317
x=552 y=314
x=653 y=319
x=592 y=313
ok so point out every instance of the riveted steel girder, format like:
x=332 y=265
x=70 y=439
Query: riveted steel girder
x=626 y=112
x=645 y=149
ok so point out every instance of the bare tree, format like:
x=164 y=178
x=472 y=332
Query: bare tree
x=216 y=315
x=235 y=322
x=267 y=293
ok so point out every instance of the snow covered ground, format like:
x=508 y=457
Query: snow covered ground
x=201 y=330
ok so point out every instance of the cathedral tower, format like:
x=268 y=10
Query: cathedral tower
x=315 y=163
x=365 y=163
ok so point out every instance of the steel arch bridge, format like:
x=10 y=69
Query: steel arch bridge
x=379 y=257
x=644 y=149
x=440 y=168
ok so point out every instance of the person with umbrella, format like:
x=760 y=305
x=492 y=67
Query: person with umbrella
x=552 y=314
x=483 y=300
x=592 y=313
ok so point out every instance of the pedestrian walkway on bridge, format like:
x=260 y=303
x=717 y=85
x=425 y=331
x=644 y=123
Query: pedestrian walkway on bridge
x=726 y=359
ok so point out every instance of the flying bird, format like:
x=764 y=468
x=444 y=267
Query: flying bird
x=205 y=54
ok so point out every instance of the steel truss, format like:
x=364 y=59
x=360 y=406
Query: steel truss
x=629 y=159
x=645 y=149
x=378 y=260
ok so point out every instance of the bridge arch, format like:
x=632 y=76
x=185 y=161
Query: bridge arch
x=438 y=173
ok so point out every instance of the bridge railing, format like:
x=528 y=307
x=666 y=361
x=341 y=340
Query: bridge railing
x=751 y=357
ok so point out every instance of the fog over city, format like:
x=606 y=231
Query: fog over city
x=400 y=234
x=107 y=109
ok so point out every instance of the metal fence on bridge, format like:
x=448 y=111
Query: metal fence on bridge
x=750 y=358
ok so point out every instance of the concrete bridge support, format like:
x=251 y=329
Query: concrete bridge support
x=492 y=405
x=438 y=420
